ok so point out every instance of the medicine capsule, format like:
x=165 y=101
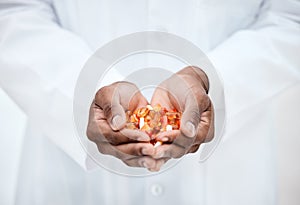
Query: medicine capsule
x=153 y=120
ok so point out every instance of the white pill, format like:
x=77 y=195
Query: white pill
x=169 y=127
x=149 y=107
x=157 y=144
x=142 y=122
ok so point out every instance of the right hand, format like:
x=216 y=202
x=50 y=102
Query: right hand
x=186 y=91
x=107 y=120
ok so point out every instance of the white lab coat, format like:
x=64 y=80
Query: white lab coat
x=254 y=45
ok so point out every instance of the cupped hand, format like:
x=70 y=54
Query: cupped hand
x=186 y=91
x=106 y=126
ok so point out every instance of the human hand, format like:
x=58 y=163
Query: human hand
x=107 y=121
x=186 y=91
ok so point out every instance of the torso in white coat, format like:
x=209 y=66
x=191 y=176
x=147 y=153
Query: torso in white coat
x=227 y=178
x=205 y=23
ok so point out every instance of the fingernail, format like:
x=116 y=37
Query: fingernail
x=165 y=139
x=116 y=121
x=144 y=164
x=152 y=170
x=191 y=127
x=146 y=151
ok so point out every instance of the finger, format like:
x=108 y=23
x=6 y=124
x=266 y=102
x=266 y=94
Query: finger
x=106 y=134
x=143 y=161
x=190 y=119
x=194 y=148
x=136 y=149
x=122 y=136
x=160 y=96
x=139 y=160
x=109 y=101
x=205 y=131
x=167 y=136
x=116 y=98
x=175 y=137
x=137 y=135
x=126 y=151
x=96 y=113
x=159 y=163
x=136 y=100
x=196 y=103
x=100 y=131
x=183 y=141
x=169 y=151
x=130 y=96
x=207 y=123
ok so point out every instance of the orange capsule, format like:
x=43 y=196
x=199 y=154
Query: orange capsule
x=153 y=120
x=142 y=112
x=131 y=125
x=146 y=127
x=157 y=108
x=133 y=118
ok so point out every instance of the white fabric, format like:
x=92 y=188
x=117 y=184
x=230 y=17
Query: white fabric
x=44 y=44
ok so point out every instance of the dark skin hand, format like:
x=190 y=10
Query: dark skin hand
x=106 y=126
x=186 y=91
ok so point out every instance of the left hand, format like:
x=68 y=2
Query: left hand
x=107 y=121
x=185 y=91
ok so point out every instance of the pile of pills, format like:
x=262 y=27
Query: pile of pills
x=153 y=120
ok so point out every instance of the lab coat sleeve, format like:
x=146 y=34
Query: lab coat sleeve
x=259 y=62
x=39 y=65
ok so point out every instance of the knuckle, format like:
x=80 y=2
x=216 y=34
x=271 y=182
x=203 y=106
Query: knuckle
x=102 y=95
x=177 y=154
x=184 y=141
x=177 y=151
x=210 y=135
x=199 y=100
x=129 y=163
x=120 y=155
x=194 y=148
x=90 y=134
x=205 y=101
x=102 y=91
x=134 y=150
x=102 y=149
x=209 y=138
x=189 y=68
x=107 y=108
x=139 y=151
x=197 y=92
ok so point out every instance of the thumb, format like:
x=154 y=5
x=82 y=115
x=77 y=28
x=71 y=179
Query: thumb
x=116 y=117
x=190 y=120
x=109 y=101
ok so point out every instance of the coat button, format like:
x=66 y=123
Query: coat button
x=156 y=190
